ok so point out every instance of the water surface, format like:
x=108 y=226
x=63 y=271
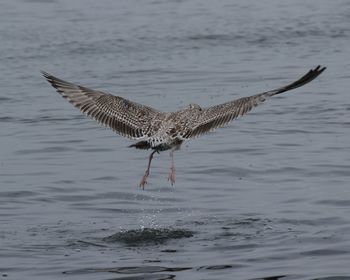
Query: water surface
x=264 y=198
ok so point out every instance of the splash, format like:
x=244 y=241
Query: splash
x=136 y=237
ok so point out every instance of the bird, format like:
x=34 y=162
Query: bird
x=157 y=130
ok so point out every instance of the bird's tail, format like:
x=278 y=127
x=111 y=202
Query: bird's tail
x=143 y=145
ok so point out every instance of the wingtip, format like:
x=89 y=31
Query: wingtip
x=45 y=74
x=316 y=71
x=320 y=68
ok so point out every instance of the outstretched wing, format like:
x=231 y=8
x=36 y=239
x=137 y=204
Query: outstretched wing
x=123 y=116
x=219 y=115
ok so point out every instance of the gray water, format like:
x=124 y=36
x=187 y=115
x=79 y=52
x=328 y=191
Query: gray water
x=266 y=197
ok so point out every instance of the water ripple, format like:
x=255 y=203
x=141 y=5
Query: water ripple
x=148 y=236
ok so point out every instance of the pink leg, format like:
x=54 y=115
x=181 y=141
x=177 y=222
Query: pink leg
x=171 y=176
x=144 y=178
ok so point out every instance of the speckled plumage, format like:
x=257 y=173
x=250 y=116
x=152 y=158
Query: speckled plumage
x=158 y=130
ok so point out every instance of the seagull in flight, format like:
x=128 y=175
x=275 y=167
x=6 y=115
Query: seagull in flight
x=157 y=130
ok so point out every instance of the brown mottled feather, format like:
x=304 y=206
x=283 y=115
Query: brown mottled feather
x=213 y=117
x=162 y=130
x=127 y=118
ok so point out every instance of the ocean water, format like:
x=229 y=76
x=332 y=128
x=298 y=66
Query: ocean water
x=267 y=197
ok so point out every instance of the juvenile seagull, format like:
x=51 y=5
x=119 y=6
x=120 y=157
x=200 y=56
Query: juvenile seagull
x=161 y=131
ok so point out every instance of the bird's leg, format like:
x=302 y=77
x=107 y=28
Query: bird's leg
x=144 y=178
x=171 y=176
